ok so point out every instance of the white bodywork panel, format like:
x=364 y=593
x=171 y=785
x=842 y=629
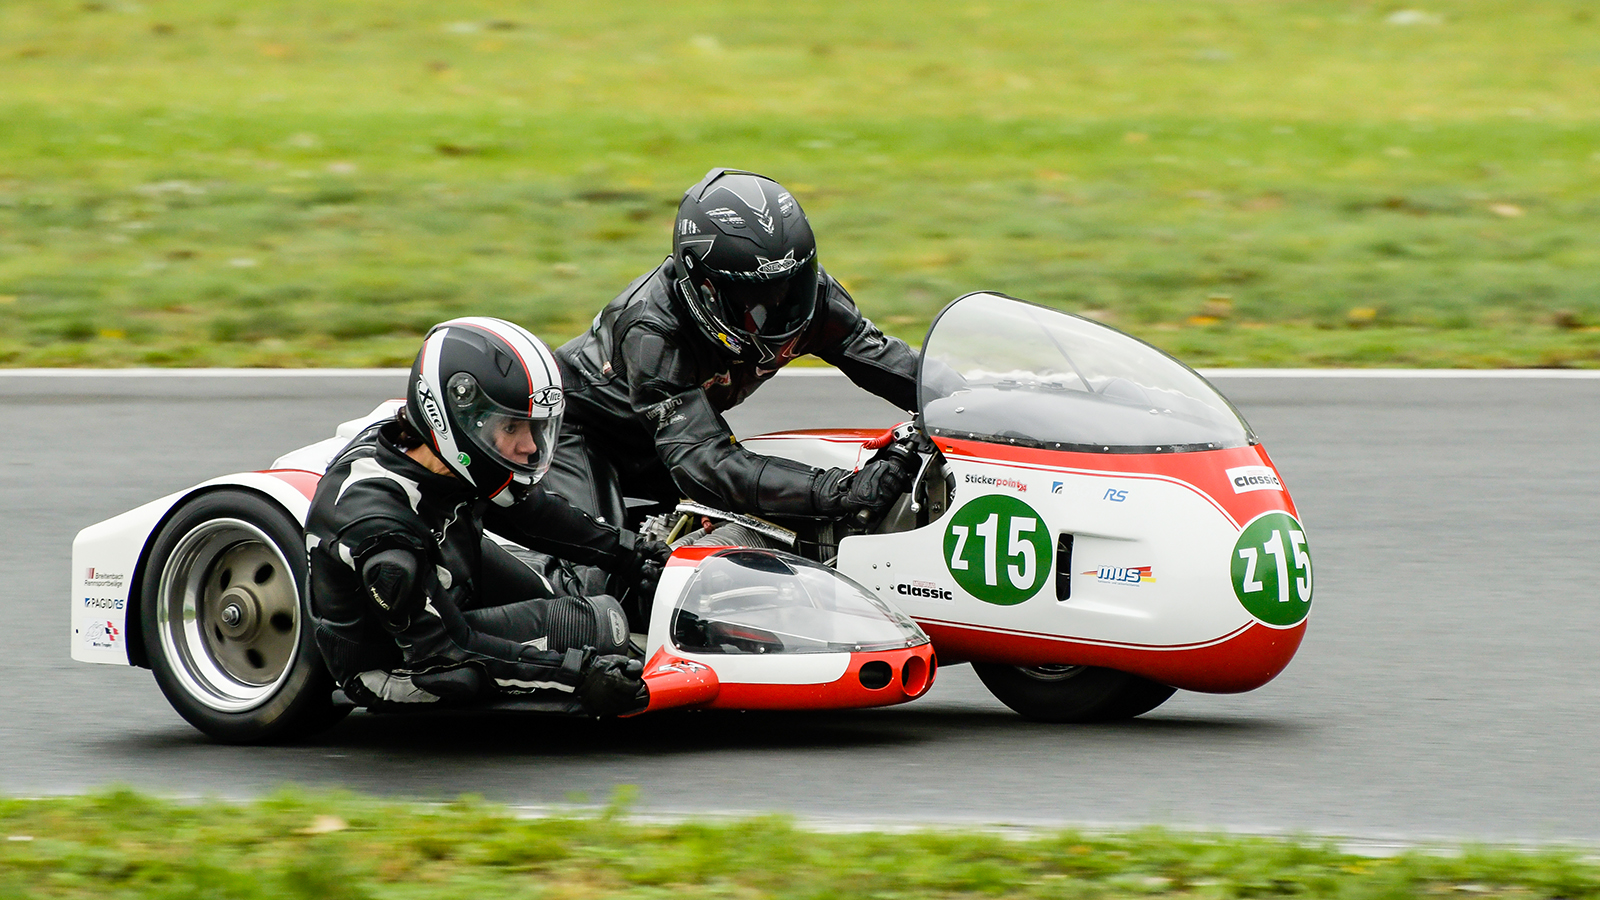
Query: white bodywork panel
x=1180 y=533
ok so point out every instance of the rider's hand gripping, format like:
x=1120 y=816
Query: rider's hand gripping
x=612 y=686
x=869 y=492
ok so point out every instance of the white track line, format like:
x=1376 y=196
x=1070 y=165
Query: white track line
x=804 y=372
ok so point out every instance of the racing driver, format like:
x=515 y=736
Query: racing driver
x=740 y=297
x=410 y=601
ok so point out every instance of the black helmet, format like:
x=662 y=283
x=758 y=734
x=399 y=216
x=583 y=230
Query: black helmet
x=746 y=261
x=486 y=396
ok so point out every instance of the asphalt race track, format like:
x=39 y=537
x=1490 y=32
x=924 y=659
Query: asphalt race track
x=1449 y=686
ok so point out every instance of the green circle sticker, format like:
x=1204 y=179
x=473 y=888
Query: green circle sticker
x=464 y=460
x=998 y=549
x=1272 y=569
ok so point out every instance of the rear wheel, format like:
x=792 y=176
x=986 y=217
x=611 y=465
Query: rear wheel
x=225 y=623
x=1072 y=693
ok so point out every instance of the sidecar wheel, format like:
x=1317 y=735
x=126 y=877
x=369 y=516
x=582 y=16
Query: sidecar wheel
x=1072 y=693
x=225 y=624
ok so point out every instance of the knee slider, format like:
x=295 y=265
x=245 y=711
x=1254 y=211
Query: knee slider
x=611 y=625
x=597 y=622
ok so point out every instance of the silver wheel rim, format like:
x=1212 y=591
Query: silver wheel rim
x=228 y=613
x=1051 y=672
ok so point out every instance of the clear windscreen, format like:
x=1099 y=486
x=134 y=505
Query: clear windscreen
x=998 y=369
x=767 y=601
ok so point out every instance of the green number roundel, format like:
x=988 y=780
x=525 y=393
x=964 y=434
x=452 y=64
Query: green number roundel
x=1272 y=569
x=998 y=549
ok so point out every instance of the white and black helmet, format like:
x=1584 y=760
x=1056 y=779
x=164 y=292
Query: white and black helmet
x=746 y=262
x=486 y=396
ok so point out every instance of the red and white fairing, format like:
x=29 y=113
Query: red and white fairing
x=1107 y=508
x=1150 y=586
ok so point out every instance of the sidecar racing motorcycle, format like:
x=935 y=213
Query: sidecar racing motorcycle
x=1092 y=526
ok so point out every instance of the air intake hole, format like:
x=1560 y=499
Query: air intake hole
x=876 y=675
x=1064 y=567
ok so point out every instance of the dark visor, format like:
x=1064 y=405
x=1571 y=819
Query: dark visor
x=771 y=309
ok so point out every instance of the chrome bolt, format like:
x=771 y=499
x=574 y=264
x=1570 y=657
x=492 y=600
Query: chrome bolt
x=232 y=615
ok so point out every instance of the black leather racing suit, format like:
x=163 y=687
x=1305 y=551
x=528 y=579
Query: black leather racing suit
x=472 y=604
x=645 y=393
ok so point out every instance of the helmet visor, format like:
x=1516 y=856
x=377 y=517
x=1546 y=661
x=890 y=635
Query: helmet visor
x=771 y=310
x=514 y=439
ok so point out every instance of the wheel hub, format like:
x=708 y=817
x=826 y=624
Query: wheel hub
x=240 y=614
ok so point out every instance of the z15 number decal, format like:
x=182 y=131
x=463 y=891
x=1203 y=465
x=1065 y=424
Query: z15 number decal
x=1272 y=569
x=998 y=549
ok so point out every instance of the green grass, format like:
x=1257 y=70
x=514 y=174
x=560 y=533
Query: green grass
x=199 y=182
x=121 y=844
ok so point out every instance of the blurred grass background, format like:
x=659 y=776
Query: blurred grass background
x=1243 y=182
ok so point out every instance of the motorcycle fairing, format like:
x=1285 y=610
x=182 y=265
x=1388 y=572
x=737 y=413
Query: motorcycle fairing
x=1172 y=519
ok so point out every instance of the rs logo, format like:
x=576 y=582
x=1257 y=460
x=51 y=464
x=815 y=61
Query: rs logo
x=1115 y=496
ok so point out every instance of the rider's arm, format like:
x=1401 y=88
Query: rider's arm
x=547 y=523
x=875 y=362
x=696 y=444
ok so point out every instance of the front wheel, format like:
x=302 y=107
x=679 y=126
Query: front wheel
x=1072 y=693
x=225 y=623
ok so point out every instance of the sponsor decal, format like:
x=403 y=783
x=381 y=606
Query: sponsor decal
x=464 y=460
x=93 y=577
x=687 y=226
x=926 y=590
x=1272 y=569
x=775 y=266
x=720 y=379
x=101 y=634
x=687 y=667
x=997 y=548
x=548 y=397
x=103 y=602
x=1254 y=478
x=785 y=204
x=662 y=410
x=431 y=410
x=1115 y=495
x=1057 y=487
x=993 y=481
x=1123 y=574
x=619 y=628
x=725 y=216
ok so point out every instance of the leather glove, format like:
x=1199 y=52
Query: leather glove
x=873 y=489
x=638 y=572
x=613 y=685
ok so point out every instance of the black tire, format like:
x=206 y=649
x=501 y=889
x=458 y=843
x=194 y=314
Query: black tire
x=1072 y=693
x=223 y=605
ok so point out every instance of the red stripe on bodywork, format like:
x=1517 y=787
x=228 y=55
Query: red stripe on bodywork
x=1243 y=661
x=839 y=435
x=301 y=480
x=691 y=556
